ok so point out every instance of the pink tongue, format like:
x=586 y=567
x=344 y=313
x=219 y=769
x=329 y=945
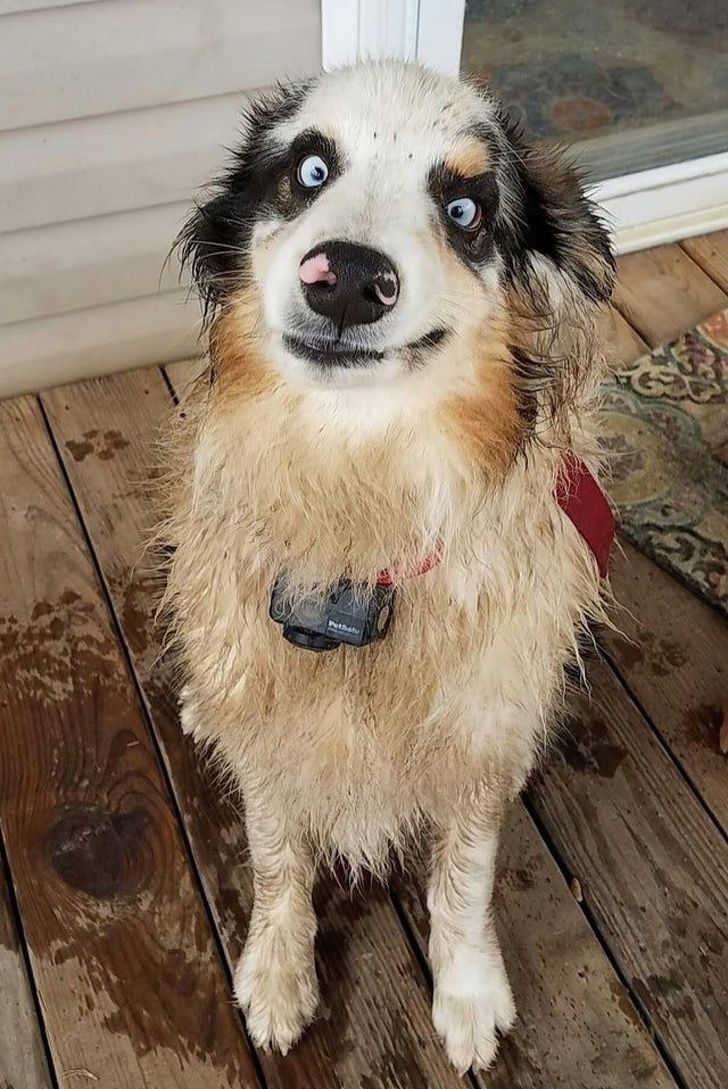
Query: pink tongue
x=316 y=271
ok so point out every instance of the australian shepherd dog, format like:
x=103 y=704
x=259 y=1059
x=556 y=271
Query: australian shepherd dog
x=401 y=297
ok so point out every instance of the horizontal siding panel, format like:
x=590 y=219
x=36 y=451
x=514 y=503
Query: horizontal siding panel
x=51 y=351
x=69 y=266
x=118 y=162
x=89 y=59
x=10 y=7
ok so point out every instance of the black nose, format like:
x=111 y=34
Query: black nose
x=350 y=284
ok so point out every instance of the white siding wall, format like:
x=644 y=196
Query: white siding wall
x=112 y=113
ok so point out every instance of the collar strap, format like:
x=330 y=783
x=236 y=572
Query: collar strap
x=393 y=574
x=582 y=501
x=585 y=504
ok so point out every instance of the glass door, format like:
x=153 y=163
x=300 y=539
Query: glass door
x=634 y=84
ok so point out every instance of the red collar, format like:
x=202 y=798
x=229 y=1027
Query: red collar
x=393 y=574
x=582 y=501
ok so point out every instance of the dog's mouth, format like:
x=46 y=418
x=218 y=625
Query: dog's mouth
x=327 y=353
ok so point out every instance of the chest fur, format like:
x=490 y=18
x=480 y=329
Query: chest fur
x=368 y=740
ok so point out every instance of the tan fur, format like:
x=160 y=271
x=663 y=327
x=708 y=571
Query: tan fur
x=470 y=159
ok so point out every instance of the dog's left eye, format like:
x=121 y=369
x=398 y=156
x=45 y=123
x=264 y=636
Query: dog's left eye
x=465 y=213
x=312 y=172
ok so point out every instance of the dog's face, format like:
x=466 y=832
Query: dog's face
x=380 y=216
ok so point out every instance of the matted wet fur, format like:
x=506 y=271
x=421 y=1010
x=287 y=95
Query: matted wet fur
x=443 y=424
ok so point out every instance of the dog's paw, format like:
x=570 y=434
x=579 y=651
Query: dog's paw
x=470 y=1009
x=278 y=993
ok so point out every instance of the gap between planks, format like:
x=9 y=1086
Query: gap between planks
x=24 y=1048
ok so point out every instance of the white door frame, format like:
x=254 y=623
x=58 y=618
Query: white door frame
x=646 y=208
x=427 y=30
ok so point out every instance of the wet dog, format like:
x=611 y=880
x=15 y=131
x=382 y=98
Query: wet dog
x=401 y=295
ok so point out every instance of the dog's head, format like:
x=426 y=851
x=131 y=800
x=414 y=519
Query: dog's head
x=378 y=223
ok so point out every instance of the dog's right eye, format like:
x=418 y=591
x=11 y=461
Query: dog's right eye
x=312 y=172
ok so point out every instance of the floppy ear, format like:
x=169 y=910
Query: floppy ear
x=215 y=242
x=546 y=223
x=208 y=246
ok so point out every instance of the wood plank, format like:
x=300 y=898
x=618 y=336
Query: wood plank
x=182 y=373
x=672 y=651
x=620 y=341
x=711 y=253
x=22 y=1058
x=675 y=657
x=662 y=292
x=653 y=869
x=569 y=1031
x=132 y=989
x=375 y=1030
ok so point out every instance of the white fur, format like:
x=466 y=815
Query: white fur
x=381 y=201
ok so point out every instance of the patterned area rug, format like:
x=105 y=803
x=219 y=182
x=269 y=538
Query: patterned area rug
x=666 y=421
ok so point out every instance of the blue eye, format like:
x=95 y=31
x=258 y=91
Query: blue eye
x=312 y=172
x=465 y=212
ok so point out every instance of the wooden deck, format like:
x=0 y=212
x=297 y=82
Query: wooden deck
x=123 y=887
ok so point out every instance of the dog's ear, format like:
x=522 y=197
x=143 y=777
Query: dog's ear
x=214 y=243
x=545 y=222
x=207 y=246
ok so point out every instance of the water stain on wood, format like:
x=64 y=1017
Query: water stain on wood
x=520 y=879
x=106 y=976
x=588 y=751
x=104 y=446
x=661 y=655
x=58 y=649
x=702 y=725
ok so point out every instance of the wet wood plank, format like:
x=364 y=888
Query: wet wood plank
x=653 y=869
x=662 y=292
x=672 y=652
x=675 y=658
x=375 y=1030
x=652 y=866
x=130 y=983
x=570 y=1030
x=22 y=1058
x=710 y=252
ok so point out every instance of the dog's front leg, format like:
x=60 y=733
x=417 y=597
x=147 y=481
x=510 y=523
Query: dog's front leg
x=472 y=998
x=275 y=980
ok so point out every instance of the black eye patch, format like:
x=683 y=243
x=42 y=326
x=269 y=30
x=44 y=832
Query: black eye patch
x=291 y=195
x=270 y=174
x=445 y=185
